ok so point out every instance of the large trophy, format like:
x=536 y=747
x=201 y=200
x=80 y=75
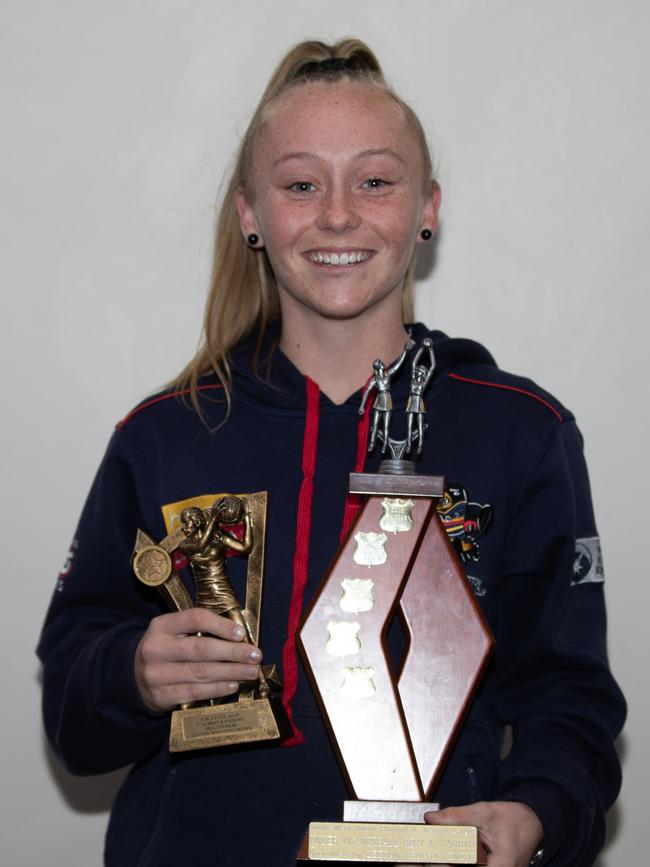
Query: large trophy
x=203 y=532
x=394 y=728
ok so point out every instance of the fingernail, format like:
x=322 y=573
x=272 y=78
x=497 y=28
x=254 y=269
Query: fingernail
x=254 y=654
x=252 y=672
x=238 y=632
x=233 y=686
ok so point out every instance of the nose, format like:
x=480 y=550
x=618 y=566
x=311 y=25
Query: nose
x=338 y=211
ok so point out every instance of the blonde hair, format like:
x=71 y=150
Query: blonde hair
x=243 y=293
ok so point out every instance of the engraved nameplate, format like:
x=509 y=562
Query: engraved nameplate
x=239 y=720
x=222 y=725
x=390 y=843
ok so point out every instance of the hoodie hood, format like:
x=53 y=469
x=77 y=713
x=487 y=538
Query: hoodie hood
x=274 y=380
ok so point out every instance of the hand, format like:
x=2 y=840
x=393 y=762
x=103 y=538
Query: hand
x=510 y=830
x=173 y=665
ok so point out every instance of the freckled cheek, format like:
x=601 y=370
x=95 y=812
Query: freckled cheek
x=397 y=223
x=281 y=228
x=400 y=236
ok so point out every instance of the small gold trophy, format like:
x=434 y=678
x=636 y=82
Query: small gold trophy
x=205 y=536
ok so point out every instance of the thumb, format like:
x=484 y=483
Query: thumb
x=448 y=816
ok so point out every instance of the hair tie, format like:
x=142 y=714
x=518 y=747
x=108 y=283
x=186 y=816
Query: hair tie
x=336 y=64
x=329 y=65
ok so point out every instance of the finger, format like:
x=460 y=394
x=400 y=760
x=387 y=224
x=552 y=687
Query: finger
x=194 y=620
x=166 y=688
x=448 y=816
x=204 y=648
x=172 y=674
x=170 y=697
x=154 y=652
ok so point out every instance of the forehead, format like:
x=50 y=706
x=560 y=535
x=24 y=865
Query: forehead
x=334 y=121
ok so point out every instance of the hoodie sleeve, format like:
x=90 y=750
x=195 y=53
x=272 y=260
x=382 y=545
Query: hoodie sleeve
x=554 y=685
x=94 y=717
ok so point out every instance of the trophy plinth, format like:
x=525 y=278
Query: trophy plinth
x=202 y=531
x=388 y=842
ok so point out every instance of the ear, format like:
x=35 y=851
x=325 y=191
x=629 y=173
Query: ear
x=431 y=210
x=247 y=220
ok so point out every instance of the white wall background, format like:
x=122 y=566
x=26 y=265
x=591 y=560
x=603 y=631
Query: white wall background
x=118 y=120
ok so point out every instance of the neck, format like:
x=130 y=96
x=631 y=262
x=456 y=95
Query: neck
x=338 y=353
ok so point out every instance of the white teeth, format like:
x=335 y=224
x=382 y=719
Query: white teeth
x=339 y=258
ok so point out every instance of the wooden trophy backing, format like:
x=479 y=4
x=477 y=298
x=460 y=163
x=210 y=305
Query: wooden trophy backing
x=367 y=724
x=450 y=645
x=392 y=737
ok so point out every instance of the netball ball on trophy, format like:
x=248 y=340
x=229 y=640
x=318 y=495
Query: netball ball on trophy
x=230 y=510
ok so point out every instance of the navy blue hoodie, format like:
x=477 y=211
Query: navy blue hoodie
x=518 y=512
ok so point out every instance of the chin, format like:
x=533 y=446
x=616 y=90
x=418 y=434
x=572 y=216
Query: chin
x=346 y=310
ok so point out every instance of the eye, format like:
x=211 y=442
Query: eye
x=375 y=184
x=301 y=187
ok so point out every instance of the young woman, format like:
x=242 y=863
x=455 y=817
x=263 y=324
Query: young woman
x=330 y=197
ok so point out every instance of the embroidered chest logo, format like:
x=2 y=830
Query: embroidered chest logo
x=464 y=521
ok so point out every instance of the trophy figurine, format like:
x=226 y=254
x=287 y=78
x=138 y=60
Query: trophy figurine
x=392 y=732
x=203 y=540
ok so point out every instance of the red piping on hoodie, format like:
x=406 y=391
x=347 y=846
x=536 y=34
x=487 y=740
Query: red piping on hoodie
x=353 y=501
x=301 y=556
x=303 y=530
x=507 y=388
x=160 y=397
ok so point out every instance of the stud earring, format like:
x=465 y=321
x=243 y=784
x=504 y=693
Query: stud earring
x=426 y=234
x=252 y=239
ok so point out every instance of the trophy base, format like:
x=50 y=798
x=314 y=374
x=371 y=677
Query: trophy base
x=222 y=725
x=380 y=832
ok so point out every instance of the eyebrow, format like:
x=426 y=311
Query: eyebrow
x=371 y=152
x=298 y=155
x=381 y=152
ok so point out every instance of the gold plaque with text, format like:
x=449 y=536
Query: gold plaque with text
x=384 y=842
x=222 y=725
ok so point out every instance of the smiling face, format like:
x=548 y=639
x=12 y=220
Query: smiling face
x=338 y=198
